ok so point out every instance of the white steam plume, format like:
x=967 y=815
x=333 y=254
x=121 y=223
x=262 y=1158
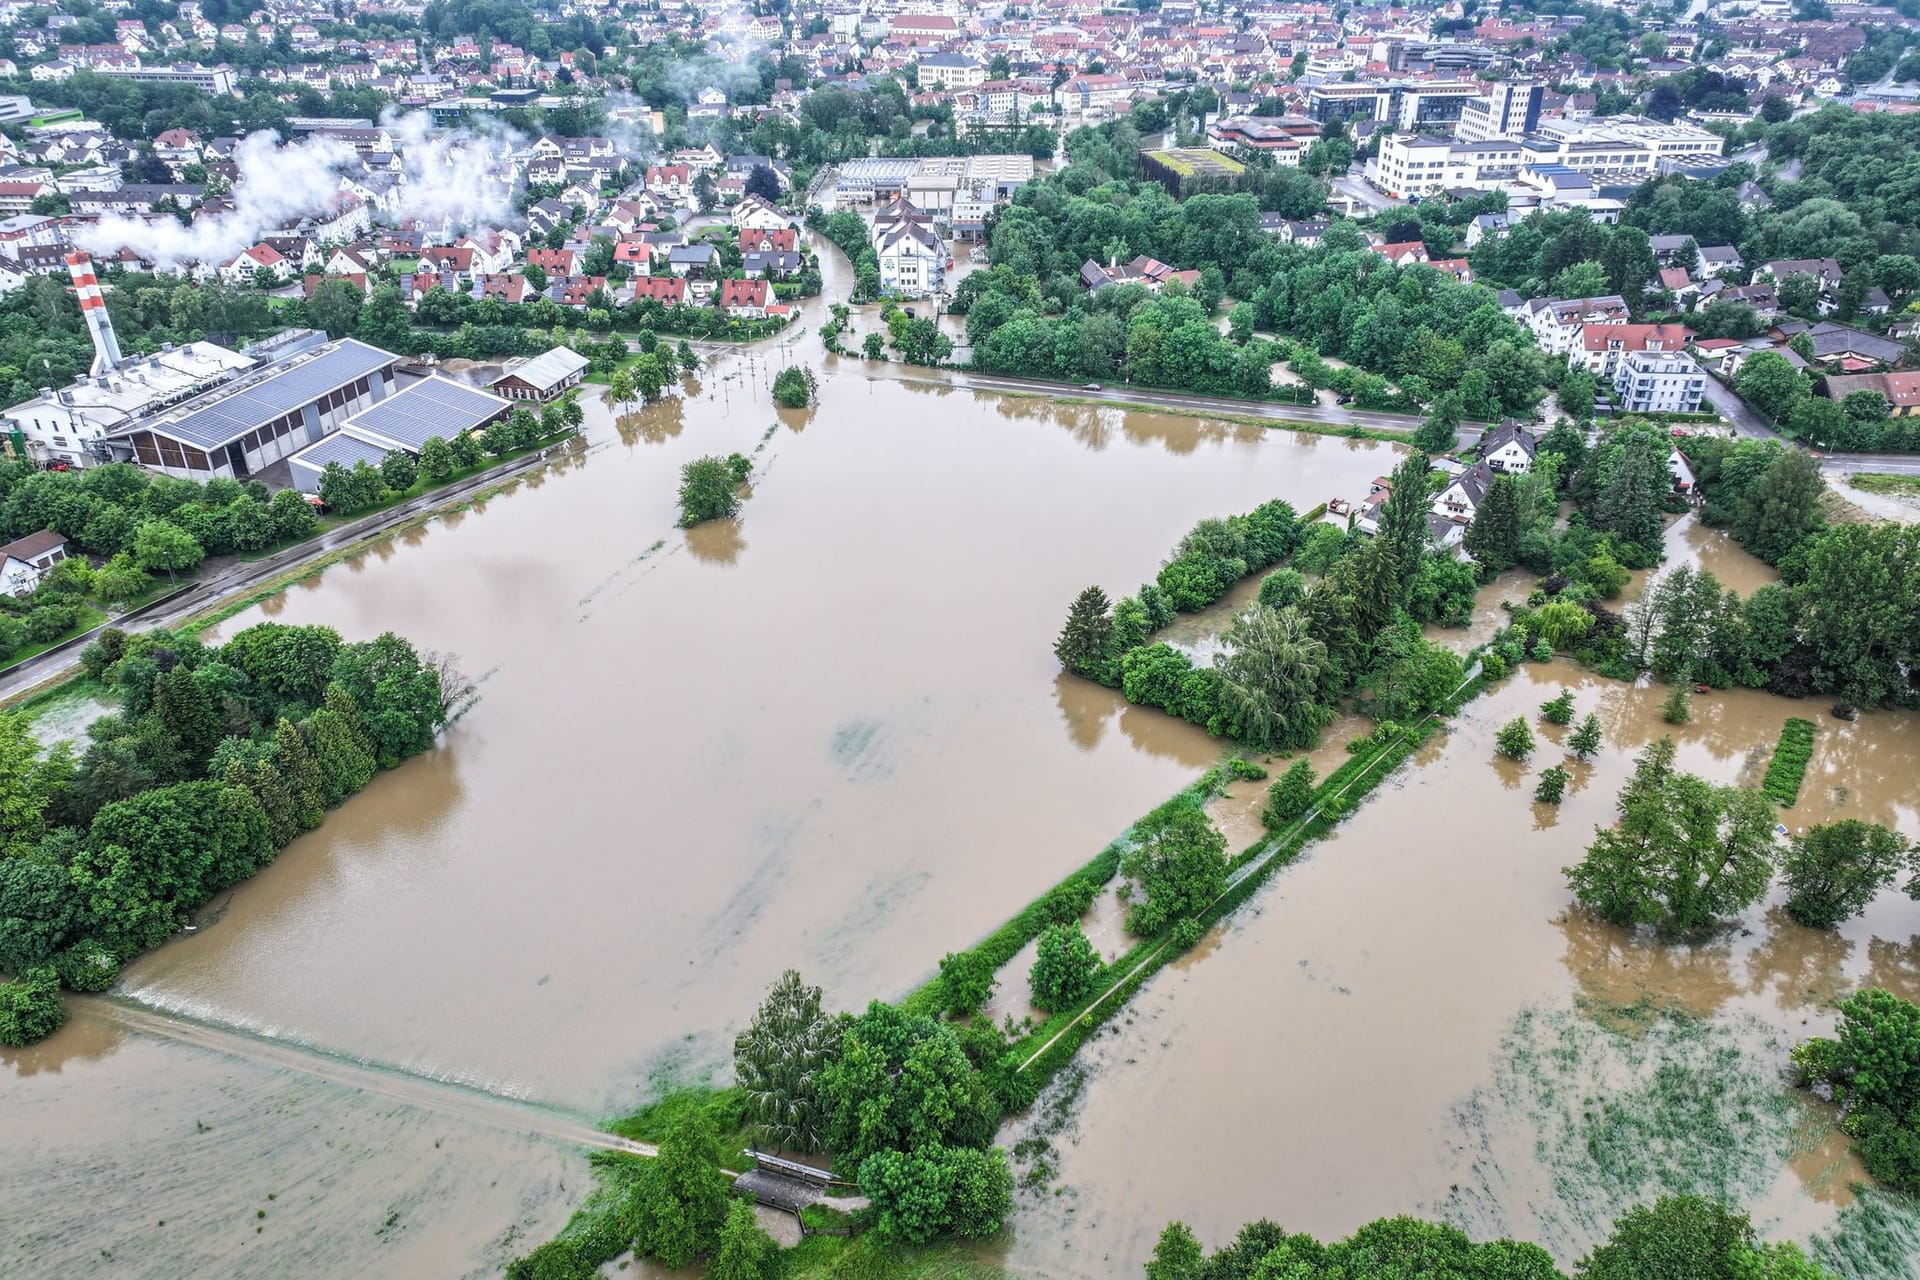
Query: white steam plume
x=453 y=176
x=275 y=184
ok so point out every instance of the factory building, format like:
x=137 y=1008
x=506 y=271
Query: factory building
x=403 y=423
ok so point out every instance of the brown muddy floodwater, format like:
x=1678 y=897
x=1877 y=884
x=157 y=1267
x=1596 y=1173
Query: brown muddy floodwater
x=1408 y=1020
x=828 y=734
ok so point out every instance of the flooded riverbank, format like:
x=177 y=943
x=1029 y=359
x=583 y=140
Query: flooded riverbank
x=829 y=733
x=1360 y=1041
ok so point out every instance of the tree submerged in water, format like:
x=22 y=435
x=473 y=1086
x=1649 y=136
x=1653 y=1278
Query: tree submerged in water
x=795 y=387
x=710 y=487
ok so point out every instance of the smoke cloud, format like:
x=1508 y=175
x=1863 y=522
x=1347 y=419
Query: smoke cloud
x=275 y=184
x=456 y=179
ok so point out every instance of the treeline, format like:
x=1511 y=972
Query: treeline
x=1861 y=421
x=216 y=759
x=1352 y=632
x=159 y=524
x=1677 y=1236
x=476 y=329
x=1844 y=620
x=1871 y=1067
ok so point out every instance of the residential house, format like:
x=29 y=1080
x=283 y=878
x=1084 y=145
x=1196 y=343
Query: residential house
x=668 y=291
x=24 y=560
x=781 y=240
x=1602 y=345
x=1462 y=497
x=1902 y=390
x=745 y=299
x=1508 y=448
x=772 y=264
x=753 y=213
x=245 y=267
x=1150 y=272
x=913 y=259
x=1657 y=380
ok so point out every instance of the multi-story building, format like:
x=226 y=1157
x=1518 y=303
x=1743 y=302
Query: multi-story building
x=1651 y=381
x=913 y=259
x=1510 y=110
x=1603 y=347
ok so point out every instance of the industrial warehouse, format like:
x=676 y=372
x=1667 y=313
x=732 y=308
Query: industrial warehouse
x=203 y=410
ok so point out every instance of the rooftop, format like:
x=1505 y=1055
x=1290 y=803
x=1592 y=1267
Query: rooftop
x=231 y=411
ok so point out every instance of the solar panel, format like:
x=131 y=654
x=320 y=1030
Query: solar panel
x=233 y=415
x=434 y=406
x=343 y=449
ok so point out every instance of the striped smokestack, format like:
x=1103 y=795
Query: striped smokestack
x=93 y=309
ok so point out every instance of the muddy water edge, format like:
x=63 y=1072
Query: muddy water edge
x=1411 y=1020
x=828 y=733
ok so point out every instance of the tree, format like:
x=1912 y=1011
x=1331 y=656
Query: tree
x=119 y=580
x=1770 y=384
x=1873 y=1067
x=393 y=695
x=1777 y=512
x=161 y=544
x=1553 y=785
x=873 y=346
x=1515 y=739
x=709 y=488
x=344 y=761
x=385 y=322
x=30 y=1008
x=1270 y=673
x=1558 y=710
x=967 y=981
x=436 y=461
x=1635 y=485
x=1678 y=706
x=680 y=1198
x=746 y=1252
x=1675 y=1238
x=1493 y=539
x=1177 y=865
x=305 y=783
x=335 y=307
x=1065 y=968
x=1440 y=430
x=794 y=387
x=1176 y=1255
x=1833 y=872
x=1584 y=742
x=398 y=472
x=1403 y=517
x=777 y=1062
x=1290 y=797
x=763 y=182
x=1083 y=642
x=293 y=516
x=1683 y=853
x=620 y=388
x=902 y=1082
x=919 y=1194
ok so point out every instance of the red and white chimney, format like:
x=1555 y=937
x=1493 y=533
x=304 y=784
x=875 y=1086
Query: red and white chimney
x=93 y=309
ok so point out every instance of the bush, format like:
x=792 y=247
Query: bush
x=1290 y=797
x=967 y=981
x=709 y=487
x=51 y=621
x=30 y=1008
x=1243 y=770
x=1678 y=708
x=795 y=387
x=1558 y=710
x=1553 y=785
x=1066 y=968
x=1067 y=901
x=1542 y=650
x=1515 y=739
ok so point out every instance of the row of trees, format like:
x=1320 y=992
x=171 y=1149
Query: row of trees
x=1677 y=1236
x=216 y=759
x=165 y=524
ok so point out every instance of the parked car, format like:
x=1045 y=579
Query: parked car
x=1093 y=386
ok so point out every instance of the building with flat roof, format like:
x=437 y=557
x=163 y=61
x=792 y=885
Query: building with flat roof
x=255 y=420
x=401 y=423
x=218 y=79
x=72 y=425
x=1658 y=382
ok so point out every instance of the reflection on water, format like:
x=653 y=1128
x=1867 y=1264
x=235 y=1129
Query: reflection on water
x=851 y=751
x=1321 y=1067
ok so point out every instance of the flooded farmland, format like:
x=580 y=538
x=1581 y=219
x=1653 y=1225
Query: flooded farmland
x=1412 y=1021
x=828 y=734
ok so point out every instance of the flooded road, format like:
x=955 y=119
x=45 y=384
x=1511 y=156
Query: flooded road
x=1409 y=1020
x=829 y=733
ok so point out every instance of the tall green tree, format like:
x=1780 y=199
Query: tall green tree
x=1493 y=539
x=1270 y=675
x=1082 y=646
x=1832 y=872
x=746 y=1251
x=1633 y=490
x=778 y=1060
x=680 y=1199
x=1403 y=517
x=1177 y=865
x=1780 y=509
x=1684 y=852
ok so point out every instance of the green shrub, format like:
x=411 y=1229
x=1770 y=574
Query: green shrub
x=1290 y=797
x=1678 y=708
x=1553 y=785
x=1066 y=968
x=1243 y=770
x=1515 y=739
x=1068 y=900
x=1558 y=710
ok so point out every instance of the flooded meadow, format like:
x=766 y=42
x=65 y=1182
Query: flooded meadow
x=830 y=734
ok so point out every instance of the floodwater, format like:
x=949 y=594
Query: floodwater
x=1404 y=1022
x=829 y=733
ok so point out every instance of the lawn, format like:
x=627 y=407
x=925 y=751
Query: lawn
x=90 y=618
x=1880 y=482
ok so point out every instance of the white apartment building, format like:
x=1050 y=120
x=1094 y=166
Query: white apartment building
x=1658 y=382
x=1556 y=322
x=1510 y=110
x=1624 y=148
